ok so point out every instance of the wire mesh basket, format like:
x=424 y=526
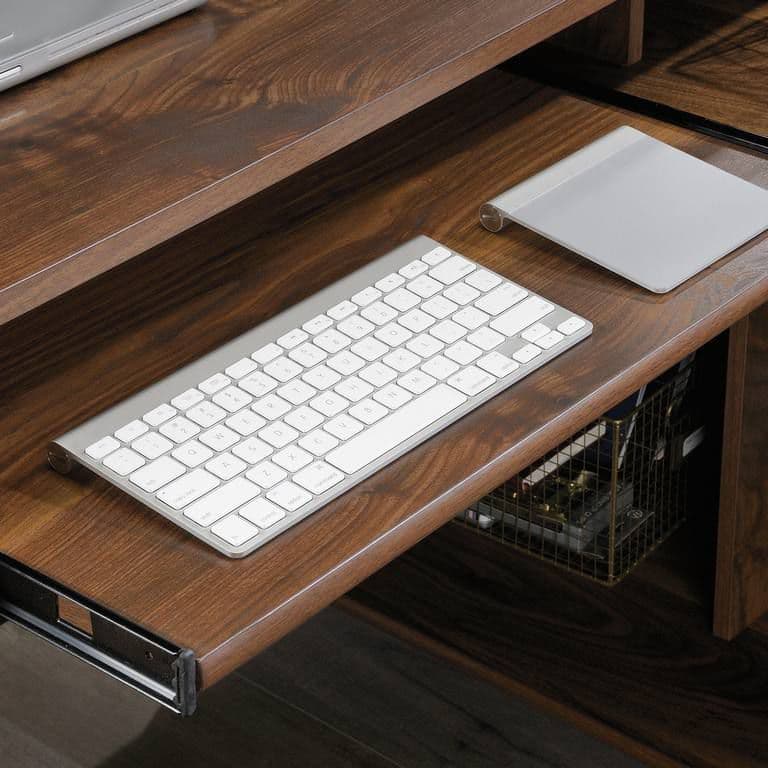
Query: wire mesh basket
x=600 y=502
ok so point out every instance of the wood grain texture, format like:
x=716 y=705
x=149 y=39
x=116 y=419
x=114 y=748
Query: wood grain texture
x=741 y=594
x=613 y=35
x=705 y=57
x=429 y=173
x=130 y=146
x=634 y=663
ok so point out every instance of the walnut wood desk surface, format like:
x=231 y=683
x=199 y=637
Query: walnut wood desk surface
x=111 y=155
x=427 y=173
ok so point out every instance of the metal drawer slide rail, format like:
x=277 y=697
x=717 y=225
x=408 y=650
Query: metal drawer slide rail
x=118 y=647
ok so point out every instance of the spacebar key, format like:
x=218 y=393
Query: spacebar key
x=395 y=429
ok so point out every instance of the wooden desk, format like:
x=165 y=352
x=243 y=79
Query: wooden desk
x=90 y=342
x=139 y=323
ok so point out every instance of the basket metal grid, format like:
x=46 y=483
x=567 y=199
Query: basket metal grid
x=603 y=500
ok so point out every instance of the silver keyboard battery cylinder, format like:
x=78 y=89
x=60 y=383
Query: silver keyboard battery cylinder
x=242 y=444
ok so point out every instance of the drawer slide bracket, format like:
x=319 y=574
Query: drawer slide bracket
x=121 y=649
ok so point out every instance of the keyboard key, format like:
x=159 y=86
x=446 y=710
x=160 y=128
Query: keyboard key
x=416 y=320
x=318 y=442
x=378 y=313
x=187 y=488
x=402 y=299
x=266 y=474
x=413 y=269
x=485 y=338
x=131 y=431
x=318 y=477
x=219 y=438
x=346 y=363
x=393 y=334
x=416 y=382
x=366 y=296
x=461 y=293
x=252 y=450
x=342 y=310
x=452 y=269
x=257 y=384
x=245 y=422
x=483 y=280
x=392 y=396
x=402 y=360
x=152 y=445
x=179 y=430
x=425 y=346
x=355 y=327
x=370 y=349
x=390 y=282
x=267 y=353
x=225 y=466
x=321 y=377
x=343 y=426
x=262 y=513
x=232 y=399
x=292 y=338
x=307 y=354
x=239 y=369
x=497 y=364
x=192 y=454
x=439 y=307
x=292 y=458
x=521 y=316
x=206 y=414
x=332 y=341
x=501 y=298
x=271 y=407
x=368 y=411
x=535 y=332
x=153 y=476
x=282 y=369
x=571 y=325
x=527 y=353
x=214 y=383
x=305 y=419
x=462 y=352
x=297 y=392
x=471 y=318
x=102 y=448
x=222 y=501
x=471 y=380
x=329 y=403
x=395 y=428
x=289 y=496
x=159 y=415
x=378 y=374
x=448 y=331
x=424 y=286
x=436 y=255
x=278 y=434
x=123 y=461
x=549 y=341
x=440 y=367
x=317 y=324
x=234 y=530
x=354 y=389
x=187 y=399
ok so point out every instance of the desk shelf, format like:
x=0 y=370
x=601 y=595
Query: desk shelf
x=123 y=150
x=428 y=172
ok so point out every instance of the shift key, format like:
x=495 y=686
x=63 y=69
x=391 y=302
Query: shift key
x=222 y=501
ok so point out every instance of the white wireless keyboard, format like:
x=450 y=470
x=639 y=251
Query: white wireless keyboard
x=250 y=439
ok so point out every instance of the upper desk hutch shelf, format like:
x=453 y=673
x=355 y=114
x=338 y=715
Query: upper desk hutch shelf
x=127 y=148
